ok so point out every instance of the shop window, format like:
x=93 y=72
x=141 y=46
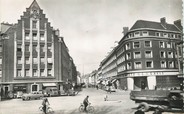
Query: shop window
x=34 y=88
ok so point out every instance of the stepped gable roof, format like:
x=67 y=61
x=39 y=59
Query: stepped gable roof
x=34 y=5
x=153 y=25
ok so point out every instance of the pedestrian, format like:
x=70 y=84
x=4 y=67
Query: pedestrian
x=105 y=98
x=97 y=87
x=45 y=102
x=86 y=102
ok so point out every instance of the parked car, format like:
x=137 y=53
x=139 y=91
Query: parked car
x=49 y=92
x=34 y=95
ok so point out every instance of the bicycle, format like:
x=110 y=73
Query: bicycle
x=48 y=109
x=89 y=108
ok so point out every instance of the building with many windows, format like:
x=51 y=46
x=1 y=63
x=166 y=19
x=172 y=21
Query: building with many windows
x=146 y=57
x=33 y=55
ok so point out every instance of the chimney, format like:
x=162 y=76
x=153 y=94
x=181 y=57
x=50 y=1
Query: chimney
x=57 y=32
x=125 y=30
x=163 y=22
x=178 y=24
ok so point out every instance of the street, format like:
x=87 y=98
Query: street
x=118 y=103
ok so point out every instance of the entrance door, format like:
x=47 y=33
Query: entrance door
x=6 y=91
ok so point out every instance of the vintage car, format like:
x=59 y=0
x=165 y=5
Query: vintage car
x=34 y=95
x=167 y=100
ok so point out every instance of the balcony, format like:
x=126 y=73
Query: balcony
x=27 y=54
x=27 y=66
x=42 y=66
x=19 y=53
x=19 y=66
x=35 y=66
x=42 y=54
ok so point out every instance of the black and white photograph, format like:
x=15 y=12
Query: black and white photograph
x=91 y=57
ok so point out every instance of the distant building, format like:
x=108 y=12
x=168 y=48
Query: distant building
x=33 y=55
x=146 y=57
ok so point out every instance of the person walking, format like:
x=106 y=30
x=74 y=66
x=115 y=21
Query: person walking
x=45 y=102
x=85 y=102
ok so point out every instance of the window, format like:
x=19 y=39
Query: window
x=1 y=49
x=137 y=34
x=27 y=60
x=163 y=64
x=165 y=34
x=49 y=49
x=137 y=65
x=127 y=46
x=27 y=72
x=42 y=38
x=137 y=55
x=19 y=61
x=162 y=54
x=35 y=72
x=148 y=54
x=129 y=66
x=0 y=61
x=49 y=60
x=35 y=60
x=171 y=64
x=34 y=36
x=157 y=34
x=136 y=44
x=162 y=45
x=19 y=73
x=42 y=73
x=27 y=36
x=149 y=64
x=34 y=48
x=49 y=72
x=169 y=45
x=42 y=49
x=148 y=44
x=19 y=48
x=42 y=60
x=27 y=48
x=170 y=54
x=128 y=56
x=34 y=24
x=34 y=87
x=0 y=73
x=145 y=33
x=172 y=35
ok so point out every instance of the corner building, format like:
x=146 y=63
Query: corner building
x=34 y=55
x=147 y=56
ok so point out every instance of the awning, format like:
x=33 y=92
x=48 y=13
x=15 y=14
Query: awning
x=49 y=84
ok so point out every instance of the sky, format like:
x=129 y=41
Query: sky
x=91 y=27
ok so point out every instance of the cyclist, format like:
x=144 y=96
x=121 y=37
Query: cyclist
x=85 y=102
x=45 y=102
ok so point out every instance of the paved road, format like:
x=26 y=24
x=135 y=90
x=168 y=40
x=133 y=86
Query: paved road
x=118 y=103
